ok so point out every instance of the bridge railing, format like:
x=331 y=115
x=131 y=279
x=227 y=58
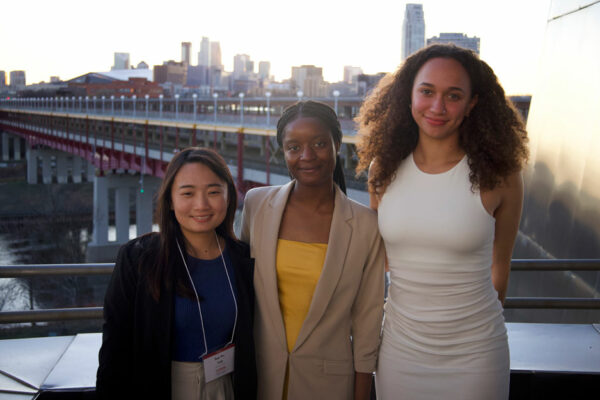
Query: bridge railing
x=252 y=110
x=81 y=313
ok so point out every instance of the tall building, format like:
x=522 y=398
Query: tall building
x=121 y=61
x=241 y=62
x=309 y=79
x=249 y=67
x=17 y=79
x=186 y=52
x=2 y=79
x=204 y=53
x=264 y=69
x=351 y=73
x=459 y=39
x=198 y=75
x=215 y=55
x=172 y=72
x=413 y=29
x=367 y=82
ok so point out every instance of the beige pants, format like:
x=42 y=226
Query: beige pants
x=187 y=383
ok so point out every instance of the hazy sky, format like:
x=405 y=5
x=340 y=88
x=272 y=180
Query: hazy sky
x=68 y=38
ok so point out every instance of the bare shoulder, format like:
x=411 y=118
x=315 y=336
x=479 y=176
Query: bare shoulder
x=511 y=187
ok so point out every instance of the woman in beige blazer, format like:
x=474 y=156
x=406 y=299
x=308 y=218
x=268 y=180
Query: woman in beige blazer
x=335 y=349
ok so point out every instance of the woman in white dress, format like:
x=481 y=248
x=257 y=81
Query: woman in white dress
x=444 y=149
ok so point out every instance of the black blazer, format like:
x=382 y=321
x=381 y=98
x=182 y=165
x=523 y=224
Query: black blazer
x=135 y=357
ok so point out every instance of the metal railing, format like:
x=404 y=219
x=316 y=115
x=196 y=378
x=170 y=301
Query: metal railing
x=553 y=265
x=63 y=314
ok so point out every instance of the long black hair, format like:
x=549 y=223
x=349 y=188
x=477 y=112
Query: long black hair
x=324 y=114
x=164 y=266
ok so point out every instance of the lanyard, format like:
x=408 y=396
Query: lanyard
x=198 y=298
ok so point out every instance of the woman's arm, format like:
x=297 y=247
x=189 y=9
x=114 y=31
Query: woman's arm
x=116 y=354
x=373 y=197
x=367 y=317
x=507 y=215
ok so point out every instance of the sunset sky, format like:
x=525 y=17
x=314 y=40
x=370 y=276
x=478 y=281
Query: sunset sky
x=68 y=38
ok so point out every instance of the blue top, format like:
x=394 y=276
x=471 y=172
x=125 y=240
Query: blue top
x=217 y=305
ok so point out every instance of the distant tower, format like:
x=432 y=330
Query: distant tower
x=309 y=79
x=215 y=54
x=204 y=53
x=240 y=65
x=351 y=73
x=413 y=30
x=17 y=79
x=264 y=69
x=186 y=52
x=459 y=39
x=121 y=61
x=2 y=79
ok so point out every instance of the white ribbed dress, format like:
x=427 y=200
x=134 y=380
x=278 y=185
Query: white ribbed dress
x=444 y=334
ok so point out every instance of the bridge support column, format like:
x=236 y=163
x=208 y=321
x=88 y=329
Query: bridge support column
x=100 y=249
x=46 y=167
x=77 y=170
x=91 y=172
x=5 y=146
x=61 y=168
x=122 y=213
x=32 y=166
x=143 y=212
x=17 y=148
x=100 y=231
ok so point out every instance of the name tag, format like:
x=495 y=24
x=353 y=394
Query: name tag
x=219 y=363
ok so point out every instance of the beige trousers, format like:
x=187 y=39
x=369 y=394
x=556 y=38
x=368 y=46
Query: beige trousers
x=187 y=383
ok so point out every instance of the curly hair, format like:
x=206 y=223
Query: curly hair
x=493 y=136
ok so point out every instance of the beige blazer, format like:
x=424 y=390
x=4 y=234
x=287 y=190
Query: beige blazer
x=341 y=332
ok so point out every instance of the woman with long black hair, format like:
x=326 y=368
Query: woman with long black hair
x=179 y=308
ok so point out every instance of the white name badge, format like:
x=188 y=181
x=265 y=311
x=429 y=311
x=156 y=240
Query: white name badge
x=219 y=363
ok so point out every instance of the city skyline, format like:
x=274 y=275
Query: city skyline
x=329 y=36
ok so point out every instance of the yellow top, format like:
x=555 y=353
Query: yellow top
x=299 y=266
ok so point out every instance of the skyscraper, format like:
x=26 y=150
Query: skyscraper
x=309 y=79
x=241 y=63
x=2 y=79
x=264 y=69
x=170 y=71
x=413 y=30
x=121 y=61
x=204 y=53
x=215 y=55
x=351 y=73
x=186 y=52
x=459 y=39
x=17 y=79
